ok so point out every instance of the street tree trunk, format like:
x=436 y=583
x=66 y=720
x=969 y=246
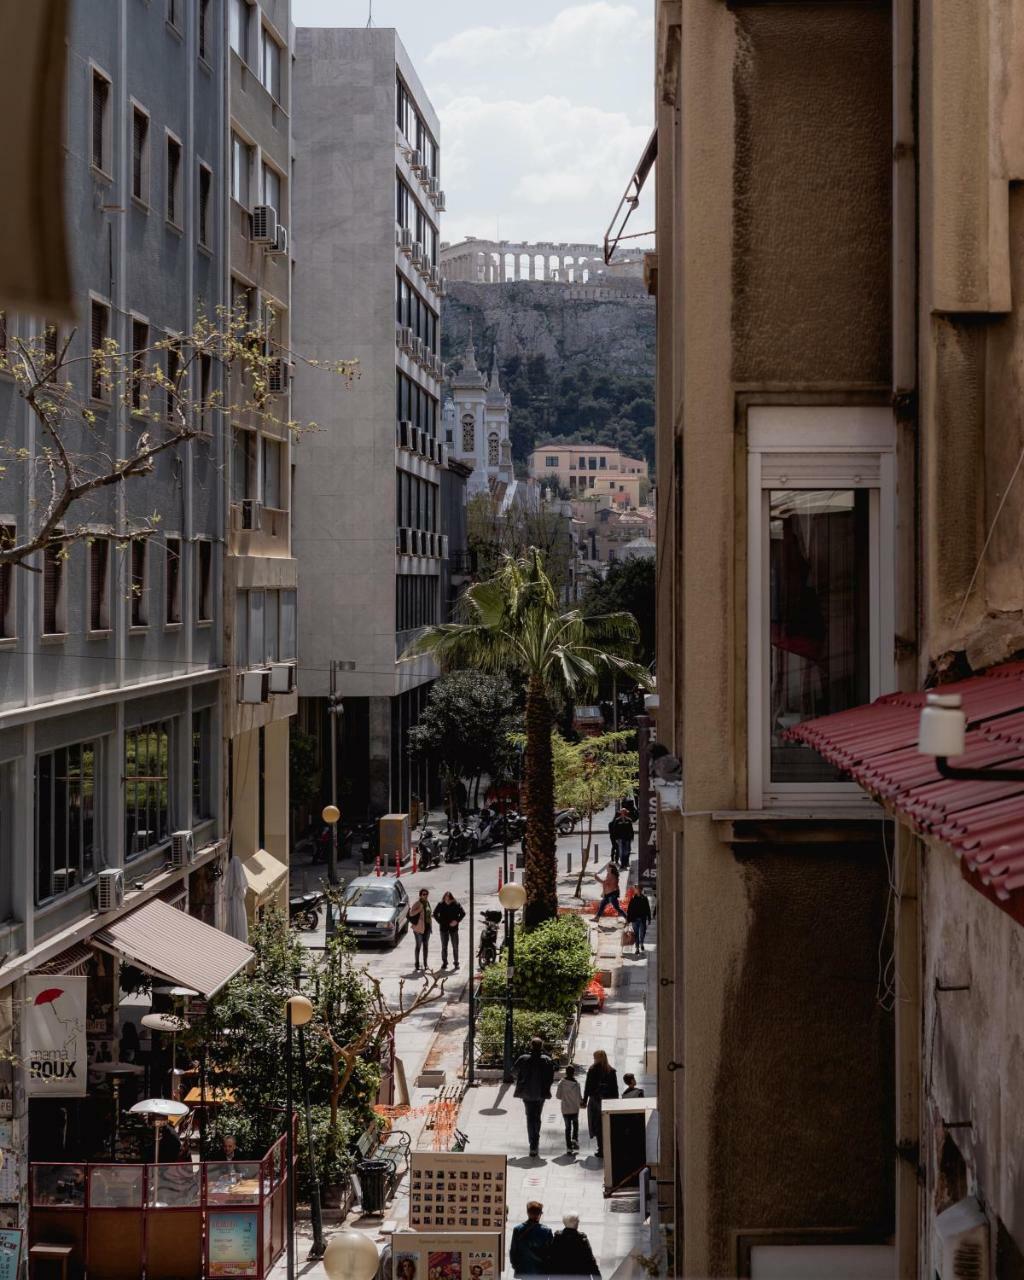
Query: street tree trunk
x=540 y=880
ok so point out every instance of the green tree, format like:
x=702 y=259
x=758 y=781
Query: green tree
x=628 y=587
x=465 y=727
x=591 y=774
x=513 y=624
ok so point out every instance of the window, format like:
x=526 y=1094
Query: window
x=272 y=189
x=204 y=366
x=271 y=473
x=172 y=582
x=241 y=636
x=602 y=462
x=99 y=585
x=239 y=21
x=173 y=210
x=140 y=341
x=204 y=29
x=99 y=381
x=65 y=819
x=270 y=65
x=241 y=169
x=7 y=615
x=204 y=581
x=401 y=203
x=174 y=12
x=820 y=591
x=54 y=612
x=205 y=187
x=140 y=155
x=100 y=122
x=51 y=343
x=468 y=433
x=256 y=655
x=592 y=463
x=551 y=460
x=272 y=623
x=173 y=374
x=492 y=449
x=202 y=765
x=286 y=626
x=139 y=603
x=243 y=465
x=147 y=786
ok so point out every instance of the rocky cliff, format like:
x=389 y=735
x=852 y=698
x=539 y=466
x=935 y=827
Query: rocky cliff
x=579 y=363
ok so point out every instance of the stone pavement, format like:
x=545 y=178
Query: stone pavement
x=491 y=1117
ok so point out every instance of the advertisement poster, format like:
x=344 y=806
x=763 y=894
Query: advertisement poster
x=9 y=1180
x=233 y=1244
x=430 y=1255
x=10 y=1254
x=458 y=1190
x=54 y=1036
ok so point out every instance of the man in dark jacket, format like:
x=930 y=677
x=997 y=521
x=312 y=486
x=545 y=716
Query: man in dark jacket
x=448 y=914
x=531 y=1241
x=570 y=1253
x=534 y=1072
x=621 y=831
x=638 y=917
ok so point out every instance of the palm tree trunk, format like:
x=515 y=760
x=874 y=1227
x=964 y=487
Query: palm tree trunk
x=540 y=879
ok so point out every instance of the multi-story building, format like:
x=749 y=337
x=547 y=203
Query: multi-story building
x=261 y=571
x=112 y=656
x=367 y=523
x=839 y=279
x=592 y=467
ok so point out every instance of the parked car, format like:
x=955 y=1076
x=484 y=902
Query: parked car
x=374 y=909
x=588 y=721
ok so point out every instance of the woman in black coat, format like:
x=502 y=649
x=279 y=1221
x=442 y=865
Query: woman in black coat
x=601 y=1083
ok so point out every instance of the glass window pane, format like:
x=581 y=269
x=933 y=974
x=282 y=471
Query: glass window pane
x=820 y=617
x=256 y=635
x=271 y=625
x=287 y=625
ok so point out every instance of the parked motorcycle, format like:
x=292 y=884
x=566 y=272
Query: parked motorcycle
x=304 y=911
x=565 y=821
x=487 y=952
x=461 y=843
x=428 y=849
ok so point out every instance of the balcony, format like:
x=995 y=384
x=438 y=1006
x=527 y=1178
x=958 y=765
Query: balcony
x=257 y=530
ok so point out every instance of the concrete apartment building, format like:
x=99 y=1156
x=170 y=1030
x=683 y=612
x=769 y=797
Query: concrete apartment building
x=262 y=573
x=593 y=467
x=112 y=660
x=839 y=993
x=367 y=529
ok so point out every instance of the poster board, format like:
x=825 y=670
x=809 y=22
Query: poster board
x=457 y=1190
x=438 y=1255
x=53 y=1036
x=10 y=1254
x=233 y=1243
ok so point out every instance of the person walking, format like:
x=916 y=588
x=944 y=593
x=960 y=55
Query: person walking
x=568 y=1094
x=621 y=831
x=601 y=1083
x=421 y=917
x=570 y=1253
x=638 y=915
x=534 y=1072
x=448 y=914
x=531 y=1243
x=631 y=1090
x=609 y=882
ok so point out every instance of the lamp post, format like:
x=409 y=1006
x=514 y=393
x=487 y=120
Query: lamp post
x=351 y=1256
x=298 y=1011
x=512 y=897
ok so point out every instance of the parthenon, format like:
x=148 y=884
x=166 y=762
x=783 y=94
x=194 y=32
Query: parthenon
x=499 y=261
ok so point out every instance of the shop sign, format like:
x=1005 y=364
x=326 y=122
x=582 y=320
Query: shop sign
x=233 y=1242
x=10 y=1254
x=53 y=1035
x=425 y=1255
x=458 y=1190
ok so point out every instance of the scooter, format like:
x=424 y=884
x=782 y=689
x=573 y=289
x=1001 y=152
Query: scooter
x=462 y=843
x=428 y=850
x=565 y=821
x=304 y=911
x=487 y=953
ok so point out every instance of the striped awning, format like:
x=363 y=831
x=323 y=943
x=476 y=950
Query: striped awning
x=74 y=962
x=172 y=945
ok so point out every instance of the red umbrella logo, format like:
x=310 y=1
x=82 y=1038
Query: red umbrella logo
x=48 y=997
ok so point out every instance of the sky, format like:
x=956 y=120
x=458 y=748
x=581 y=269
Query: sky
x=545 y=106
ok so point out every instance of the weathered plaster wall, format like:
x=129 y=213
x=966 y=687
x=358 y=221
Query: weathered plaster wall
x=812 y=184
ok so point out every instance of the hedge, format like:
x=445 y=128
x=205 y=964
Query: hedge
x=526 y=1023
x=553 y=966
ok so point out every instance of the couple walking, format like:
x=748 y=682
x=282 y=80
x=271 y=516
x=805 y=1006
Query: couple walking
x=534 y=1075
x=449 y=914
x=637 y=914
x=537 y=1251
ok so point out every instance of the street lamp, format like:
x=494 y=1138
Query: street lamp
x=298 y=1011
x=351 y=1256
x=512 y=897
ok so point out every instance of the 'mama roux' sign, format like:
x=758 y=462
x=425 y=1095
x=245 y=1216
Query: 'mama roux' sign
x=53 y=1042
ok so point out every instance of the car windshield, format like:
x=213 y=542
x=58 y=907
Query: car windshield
x=370 y=895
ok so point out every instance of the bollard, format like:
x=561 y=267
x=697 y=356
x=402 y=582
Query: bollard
x=377 y=866
x=398 y=864
x=500 y=882
x=568 y=861
x=511 y=875
x=415 y=864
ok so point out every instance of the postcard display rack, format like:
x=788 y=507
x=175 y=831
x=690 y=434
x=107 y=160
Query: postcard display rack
x=457 y=1212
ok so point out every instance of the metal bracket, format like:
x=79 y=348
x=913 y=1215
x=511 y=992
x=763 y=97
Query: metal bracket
x=673 y=1066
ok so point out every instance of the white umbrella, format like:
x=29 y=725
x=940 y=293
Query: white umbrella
x=162 y=1110
x=237 y=888
x=171 y=1023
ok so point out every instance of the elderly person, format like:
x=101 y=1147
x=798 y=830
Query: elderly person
x=570 y=1253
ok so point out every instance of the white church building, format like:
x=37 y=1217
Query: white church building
x=475 y=422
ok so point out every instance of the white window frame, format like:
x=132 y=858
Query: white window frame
x=848 y=447
x=142 y=199
x=244 y=152
x=178 y=221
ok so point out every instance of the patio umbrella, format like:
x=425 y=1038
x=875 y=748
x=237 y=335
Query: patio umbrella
x=168 y=1022
x=237 y=887
x=162 y=1110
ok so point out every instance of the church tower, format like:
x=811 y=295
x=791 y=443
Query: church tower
x=475 y=421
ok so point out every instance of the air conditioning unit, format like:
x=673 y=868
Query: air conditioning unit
x=254 y=686
x=264 y=224
x=962 y=1242
x=440 y=202
x=183 y=849
x=252 y=513
x=443 y=549
x=417 y=253
x=417 y=348
x=280 y=241
x=404 y=542
x=110 y=890
x=407 y=339
x=64 y=879
x=415 y=160
x=405 y=240
x=435 y=187
x=278 y=370
x=435 y=277
x=282 y=677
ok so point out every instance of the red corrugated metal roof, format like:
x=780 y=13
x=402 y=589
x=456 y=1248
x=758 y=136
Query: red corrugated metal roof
x=983 y=821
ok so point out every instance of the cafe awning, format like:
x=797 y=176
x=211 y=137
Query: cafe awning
x=172 y=945
x=265 y=876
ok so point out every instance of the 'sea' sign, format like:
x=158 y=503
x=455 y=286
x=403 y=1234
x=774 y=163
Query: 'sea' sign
x=53 y=1036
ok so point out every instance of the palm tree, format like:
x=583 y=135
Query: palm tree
x=512 y=624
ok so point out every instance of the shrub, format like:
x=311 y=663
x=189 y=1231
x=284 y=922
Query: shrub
x=553 y=966
x=526 y=1023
